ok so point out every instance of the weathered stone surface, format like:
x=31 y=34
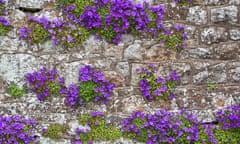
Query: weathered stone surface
x=8 y=44
x=214 y=35
x=134 y=52
x=158 y=52
x=227 y=51
x=30 y=4
x=198 y=53
x=115 y=78
x=234 y=71
x=213 y=73
x=123 y=68
x=234 y=34
x=13 y=67
x=183 y=70
x=237 y=2
x=215 y=2
x=17 y=18
x=197 y=15
x=225 y=15
x=92 y=45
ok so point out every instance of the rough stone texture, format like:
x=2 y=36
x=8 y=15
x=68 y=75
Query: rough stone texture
x=197 y=15
x=234 y=34
x=214 y=35
x=30 y=4
x=212 y=56
x=224 y=15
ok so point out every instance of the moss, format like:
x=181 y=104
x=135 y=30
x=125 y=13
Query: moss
x=231 y=136
x=99 y=129
x=55 y=131
x=15 y=91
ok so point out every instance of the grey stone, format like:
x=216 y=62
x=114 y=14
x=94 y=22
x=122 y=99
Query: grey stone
x=234 y=34
x=216 y=2
x=183 y=70
x=133 y=52
x=8 y=44
x=228 y=14
x=200 y=77
x=201 y=53
x=123 y=68
x=30 y=4
x=235 y=74
x=197 y=15
x=15 y=66
x=92 y=45
x=227 y=51
x=213 y=35
x=237 y=2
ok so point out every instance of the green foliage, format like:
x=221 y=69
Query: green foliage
x=54 y=88
x=230 y=136
x=80 y=5
x=211 y=86
x=15 y=91
x=39 y=34
x=55 y=131
x=185 y=2
x=144 y=135
x=86 y=91
x=173 y=41
x=4 y=29
x=99 y=129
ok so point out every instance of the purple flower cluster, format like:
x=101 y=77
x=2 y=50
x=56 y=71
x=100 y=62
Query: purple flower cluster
x=65 y=33
x=153 y=87
x=4 y=23
x=229 y=118
x=162 y=127
x=92 y=87
x=45 y=82
x=16 y=129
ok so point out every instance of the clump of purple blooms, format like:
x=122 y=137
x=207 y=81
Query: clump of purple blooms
x=45 y=82
x=156 y=87
x=64 y=33
x=229 y=118
x=162 y=127
x=16 y=129
x=92 y=87
x=4 y=23
x=107 y=19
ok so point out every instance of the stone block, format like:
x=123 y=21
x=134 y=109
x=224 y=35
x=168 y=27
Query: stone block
x=197 y=15
x=133 y=52
x=224 y=15
x=214 y=35
x=227 y=51
x=234 y=72
x=234 y=34
x=30 y=4
x=215 y=2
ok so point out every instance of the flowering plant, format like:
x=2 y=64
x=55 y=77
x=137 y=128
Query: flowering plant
x=64 y=33
x=16 y=129
x=229 y=118
x=4 y=23
x=98 y=129
x=108 y=19
x=156 y=87
x=45 y=82
x=162 y=127
x=92 y=87
x=174 y=38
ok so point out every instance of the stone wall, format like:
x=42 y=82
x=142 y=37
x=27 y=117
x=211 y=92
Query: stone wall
x=212 y=56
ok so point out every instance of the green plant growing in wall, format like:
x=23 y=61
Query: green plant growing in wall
x=212 y=86
x=15 y=91
x=55 y=131
x=99 y=130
